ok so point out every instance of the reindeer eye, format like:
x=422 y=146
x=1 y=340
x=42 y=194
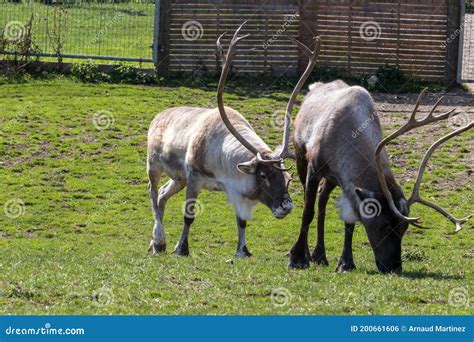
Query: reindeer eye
x=263 y=175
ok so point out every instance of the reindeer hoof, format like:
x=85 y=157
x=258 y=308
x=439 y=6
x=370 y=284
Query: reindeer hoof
x=156 y=248
x=320 y=259
x=243 y=253
x=344 y=266
x=298 y=262
x=182 y=250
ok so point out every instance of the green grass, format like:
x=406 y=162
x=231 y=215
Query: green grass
x=100 y=29
x=81 y=245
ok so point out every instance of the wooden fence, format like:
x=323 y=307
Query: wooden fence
x=358 y=36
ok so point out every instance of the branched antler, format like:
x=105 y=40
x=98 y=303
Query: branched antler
x=415 y=197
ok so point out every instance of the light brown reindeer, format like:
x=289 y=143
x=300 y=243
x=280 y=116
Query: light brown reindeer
x=327 y=150
x=216 y=149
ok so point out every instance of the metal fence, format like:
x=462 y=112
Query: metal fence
x=468 y=46
x=92 y=29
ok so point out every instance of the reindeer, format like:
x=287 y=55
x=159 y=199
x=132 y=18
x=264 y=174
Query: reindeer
x=332 y=150
x=216 y=149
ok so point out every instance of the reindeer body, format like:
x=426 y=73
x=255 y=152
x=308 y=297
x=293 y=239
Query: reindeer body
x=336 y=135
x=195 y=148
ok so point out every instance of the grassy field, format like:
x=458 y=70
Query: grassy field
x=79 y=243
x=106 y=29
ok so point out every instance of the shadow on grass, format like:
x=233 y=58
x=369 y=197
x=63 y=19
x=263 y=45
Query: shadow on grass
x=424 y=275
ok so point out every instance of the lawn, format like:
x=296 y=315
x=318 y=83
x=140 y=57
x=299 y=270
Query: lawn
x=97 y=29
x=79 y=243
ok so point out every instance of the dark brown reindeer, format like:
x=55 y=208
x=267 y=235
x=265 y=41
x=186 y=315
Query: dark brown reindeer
x=218 y=150
x=338 y=142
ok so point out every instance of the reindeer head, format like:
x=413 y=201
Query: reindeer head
x=271 y=177
x=386 y=230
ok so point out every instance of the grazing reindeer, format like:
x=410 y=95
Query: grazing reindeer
x=215 y=149
x=331 y=147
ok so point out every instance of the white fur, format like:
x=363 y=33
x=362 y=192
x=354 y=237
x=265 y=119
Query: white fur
x=346 y=212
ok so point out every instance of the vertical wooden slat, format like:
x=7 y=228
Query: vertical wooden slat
x=453 y=41
x=162 y=66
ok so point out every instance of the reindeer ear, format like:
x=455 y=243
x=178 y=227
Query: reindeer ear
x=248 y=168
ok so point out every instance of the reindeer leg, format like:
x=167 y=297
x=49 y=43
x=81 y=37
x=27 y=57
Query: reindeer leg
x=242 y=251
x=299 y=254
x=158 y=243
x=346 y=262
x=192 y=190
x=319 y=253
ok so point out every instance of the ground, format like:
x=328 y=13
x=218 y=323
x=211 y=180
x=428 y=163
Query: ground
x=74 y=155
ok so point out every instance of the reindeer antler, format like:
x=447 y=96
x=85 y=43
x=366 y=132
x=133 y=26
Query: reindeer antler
x=415 y=197
x=227 y=60
x=312 y=56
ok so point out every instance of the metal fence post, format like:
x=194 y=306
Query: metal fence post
x=156 y=32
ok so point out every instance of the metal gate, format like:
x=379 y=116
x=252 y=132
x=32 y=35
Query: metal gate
x=86 y=29
x=467 y=49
